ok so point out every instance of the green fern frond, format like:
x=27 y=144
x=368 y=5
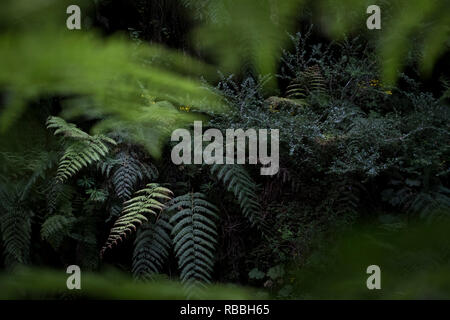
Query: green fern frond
x=16 y=234
x=56 y=228
x=194 y=238
x=151 y=248
x=238 y=181
x=82 y=151
x=147 y=201
x=44 y=160
x=58 y=195
x=15 y=226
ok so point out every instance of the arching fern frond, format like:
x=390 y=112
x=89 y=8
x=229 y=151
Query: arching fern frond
x=83 y=148
x=238 y=181
x=194 y=237
x=68 y=130
x=147 y=201
x=151 y=248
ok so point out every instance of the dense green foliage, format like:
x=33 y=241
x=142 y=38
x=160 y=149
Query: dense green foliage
x=86 y=175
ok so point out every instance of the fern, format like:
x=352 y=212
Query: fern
x=310 y=81
x=238 y=181
x=412 y=196
x=15 y=226
x=43 y=161
x=130 y=170
x=56 y=228
x=194 y=237
x=58 y=194
x=147 y=201
x=83 y=148
x=107 y=165
x=151 y=248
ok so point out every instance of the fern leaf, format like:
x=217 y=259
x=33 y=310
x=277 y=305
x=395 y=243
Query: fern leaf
x=151 y=248
x=147 y=201
x=238 y=181
x=56 y=228
x=310 y=81
x=82 y=151
x=15 y=226
x=127 y=170
x=194 y=237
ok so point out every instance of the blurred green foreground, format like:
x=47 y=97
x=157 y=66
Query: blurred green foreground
x=414 y=263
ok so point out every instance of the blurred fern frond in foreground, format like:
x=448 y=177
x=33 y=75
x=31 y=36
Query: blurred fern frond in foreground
x=98 y=78
x=247 y=31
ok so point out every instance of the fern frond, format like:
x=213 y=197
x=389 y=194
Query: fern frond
x=151 y=248
x=107 y=165
x=238 y=181
x=126 y=170
x=15 y=226
x=310 y=81
x=82 y=151
x=130 y=170
x=56 y=228
x=126 y=175
x=58 y=194
x=69 y=130
x=194 y=238
x=43 y=161
x=147 y=201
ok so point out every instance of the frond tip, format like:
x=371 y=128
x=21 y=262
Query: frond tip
x=147 y=201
